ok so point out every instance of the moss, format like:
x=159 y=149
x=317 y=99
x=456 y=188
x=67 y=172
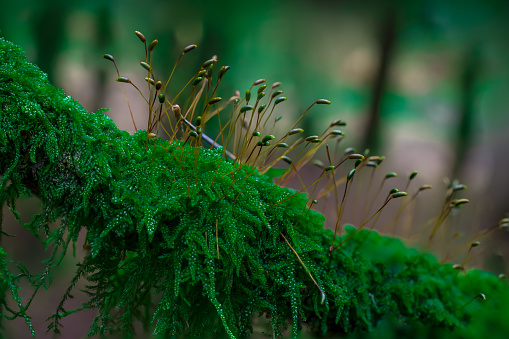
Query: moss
x=193 y=242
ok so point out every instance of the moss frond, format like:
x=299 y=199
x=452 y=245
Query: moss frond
x=192 y=242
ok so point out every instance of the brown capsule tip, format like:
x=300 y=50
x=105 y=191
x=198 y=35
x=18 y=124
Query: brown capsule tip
x=459 y=187
x=279 y=100
x=109 y=57
x=425 y=187
x=140 y=36
x=276 y=85
x=295 y=131
x=503 y=221
x=215 y=100
x=222 y=71
x=246 y=108
x=276 y=93
x=349 y=150
x=258 y=82
x=189 y=48
x=176 y=111
x=356 y=156
x=412 y=175
x=145 y=65
x=457 y=267
x=399 y=195
x=350 y=174
x=376 y=158
x=197 y=80
x=459 y=202
x=338 y=122
x=287 y=159
x=233 y=98
x=152 y=82
x=123 y=79
x=322 y=102
x=152 y=45
x=208 y=63
x=151 y=135
x=318 y=163
x=268 y=138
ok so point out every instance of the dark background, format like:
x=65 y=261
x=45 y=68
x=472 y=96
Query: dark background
x=425 y=83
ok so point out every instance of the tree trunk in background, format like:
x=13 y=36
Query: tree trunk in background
x=466 y=114
x=48 y=28
x=103 y=40
x=373 y=135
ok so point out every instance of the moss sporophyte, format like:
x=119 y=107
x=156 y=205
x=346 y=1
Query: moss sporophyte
x=195 y=239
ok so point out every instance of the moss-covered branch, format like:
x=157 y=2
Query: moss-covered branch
x=180 y=224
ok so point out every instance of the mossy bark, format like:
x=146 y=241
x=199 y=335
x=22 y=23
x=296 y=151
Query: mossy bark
x=201 y=233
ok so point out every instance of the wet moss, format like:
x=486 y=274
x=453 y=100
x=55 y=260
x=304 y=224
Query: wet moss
x=200 y=234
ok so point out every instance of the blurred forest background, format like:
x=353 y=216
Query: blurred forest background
x=423 y=82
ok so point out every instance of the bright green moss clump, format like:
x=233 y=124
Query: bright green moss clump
x=202 y=236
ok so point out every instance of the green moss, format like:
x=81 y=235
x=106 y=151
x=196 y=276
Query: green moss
x=186 y=239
